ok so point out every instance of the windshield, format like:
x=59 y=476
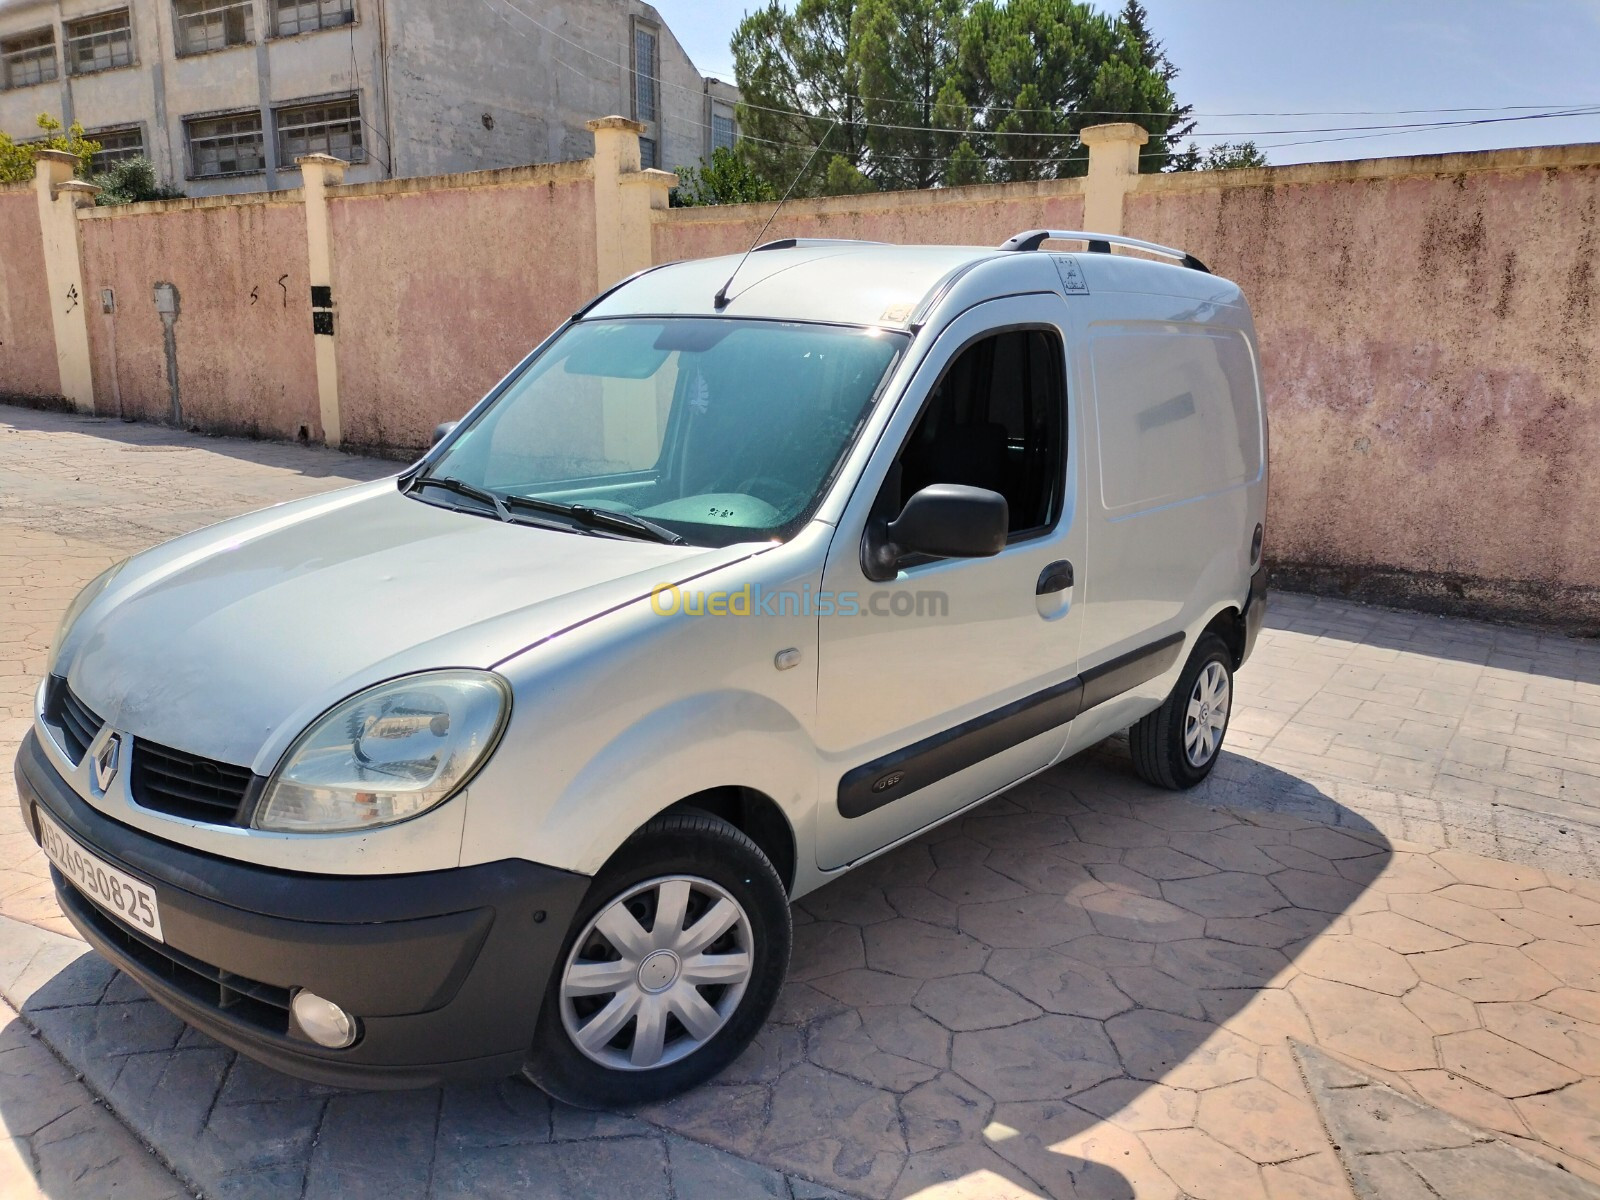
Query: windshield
x=717 y=430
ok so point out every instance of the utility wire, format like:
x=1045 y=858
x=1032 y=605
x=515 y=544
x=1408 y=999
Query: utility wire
x=1360 y=132
x=790 y=112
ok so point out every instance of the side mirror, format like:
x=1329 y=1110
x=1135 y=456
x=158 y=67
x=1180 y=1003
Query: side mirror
x=947 y=520
x=442 y=431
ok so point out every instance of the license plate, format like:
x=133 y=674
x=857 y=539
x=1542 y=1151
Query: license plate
x=121 y=895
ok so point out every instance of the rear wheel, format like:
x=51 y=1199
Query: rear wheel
x=673 y=961
x=1177 y=745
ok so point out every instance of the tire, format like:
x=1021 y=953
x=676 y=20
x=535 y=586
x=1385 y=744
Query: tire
x=669 y=1031
x=1164 y=744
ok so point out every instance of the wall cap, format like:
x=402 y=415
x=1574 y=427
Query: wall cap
x=967 y=195
x=572 y=171
x=327 y=159
x=651 y=176
x=192 y=203
x=613 y=122
x=1463 y=162
x=78 y=190
x=1114 y=133
x=60 y=156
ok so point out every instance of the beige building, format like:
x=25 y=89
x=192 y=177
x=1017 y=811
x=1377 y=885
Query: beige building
x=223 y=95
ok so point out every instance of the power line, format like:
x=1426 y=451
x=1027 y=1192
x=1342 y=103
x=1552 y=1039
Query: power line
x=1356 y=132
x=788 y=112
x=1052 y=135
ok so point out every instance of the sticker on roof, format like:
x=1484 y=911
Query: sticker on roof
x=1072 y=281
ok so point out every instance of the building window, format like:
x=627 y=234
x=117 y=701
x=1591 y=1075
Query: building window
x=645 y=86
x=307 y=16
x=30 y=58
x=213 y=24
x=330 y=127
x=723 y=131
x=116 y=145
x=649 y=156
x=229 y=145
x=100 y=43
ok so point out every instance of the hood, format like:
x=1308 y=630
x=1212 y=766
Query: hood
x=227 y=642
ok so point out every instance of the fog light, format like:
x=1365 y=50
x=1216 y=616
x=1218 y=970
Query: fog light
x=323 y=1021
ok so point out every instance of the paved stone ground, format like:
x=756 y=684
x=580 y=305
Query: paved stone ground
x=1395 y=1147
x=59 y=1141
x=1087 y=988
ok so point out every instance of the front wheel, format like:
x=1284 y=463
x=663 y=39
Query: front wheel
x=673 y=961
x=1177 y=745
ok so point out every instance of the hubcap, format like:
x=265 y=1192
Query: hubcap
x=657 y=973
x=1207 y=718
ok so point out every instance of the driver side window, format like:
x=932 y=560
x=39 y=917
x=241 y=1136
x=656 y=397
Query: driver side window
x=995 y=420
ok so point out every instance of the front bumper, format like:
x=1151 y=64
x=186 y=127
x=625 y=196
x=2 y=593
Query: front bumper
x=445 y=969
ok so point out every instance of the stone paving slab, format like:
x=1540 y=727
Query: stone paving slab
x=230 y=1128
x=58 y=1140
x=1395 y=1147
x=1086 y=988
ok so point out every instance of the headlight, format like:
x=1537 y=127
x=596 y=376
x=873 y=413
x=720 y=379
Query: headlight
x=90 y=593
x=387 y=753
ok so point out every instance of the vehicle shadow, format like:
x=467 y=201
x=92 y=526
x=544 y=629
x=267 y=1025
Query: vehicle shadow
x=1042 y=997
x=1045 y=992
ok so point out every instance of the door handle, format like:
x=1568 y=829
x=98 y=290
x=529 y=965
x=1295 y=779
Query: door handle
x=1057 y=577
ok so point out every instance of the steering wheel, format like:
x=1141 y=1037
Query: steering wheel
x=783 y=496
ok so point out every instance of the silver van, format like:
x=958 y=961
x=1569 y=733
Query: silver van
x=752 y=571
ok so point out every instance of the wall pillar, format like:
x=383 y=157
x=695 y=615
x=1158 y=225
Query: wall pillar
x=317 y=171
x=625 y=199
x=1113 y=172
x=59 y=196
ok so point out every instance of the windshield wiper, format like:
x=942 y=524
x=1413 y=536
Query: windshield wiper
x=600 y=518
x=462 y=489
x=483 y=496
x=592 y=518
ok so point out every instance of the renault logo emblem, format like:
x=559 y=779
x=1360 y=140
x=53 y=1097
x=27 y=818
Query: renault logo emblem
x=105 y=762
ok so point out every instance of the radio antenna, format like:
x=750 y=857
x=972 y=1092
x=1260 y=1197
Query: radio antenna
x=720 y=300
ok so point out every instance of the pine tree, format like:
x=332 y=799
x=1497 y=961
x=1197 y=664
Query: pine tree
x=918 y=93
x=1165 y=151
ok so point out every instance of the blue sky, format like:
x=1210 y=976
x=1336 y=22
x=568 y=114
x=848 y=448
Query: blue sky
x=1272 y=56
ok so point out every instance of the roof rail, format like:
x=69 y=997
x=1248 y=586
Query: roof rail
x=1099 y=243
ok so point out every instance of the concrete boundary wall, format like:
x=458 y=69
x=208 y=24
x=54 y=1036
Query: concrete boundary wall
x=1430 y=340
x=948 y=216
x=429 y=319
x=28 y=370
x=208 y=314
x=1430 y=350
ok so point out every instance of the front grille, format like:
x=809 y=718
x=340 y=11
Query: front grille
x=185 y=785
x=76 y=721
x=257 y=1004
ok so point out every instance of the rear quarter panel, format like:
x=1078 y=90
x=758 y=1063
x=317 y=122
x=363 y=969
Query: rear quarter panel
x=1175 y=486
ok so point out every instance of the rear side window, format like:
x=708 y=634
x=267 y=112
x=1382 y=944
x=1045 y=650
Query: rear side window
x=994 y=421
x=1178 y=412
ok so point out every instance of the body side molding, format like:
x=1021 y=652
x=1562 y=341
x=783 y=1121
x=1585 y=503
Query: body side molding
x=899 y=773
